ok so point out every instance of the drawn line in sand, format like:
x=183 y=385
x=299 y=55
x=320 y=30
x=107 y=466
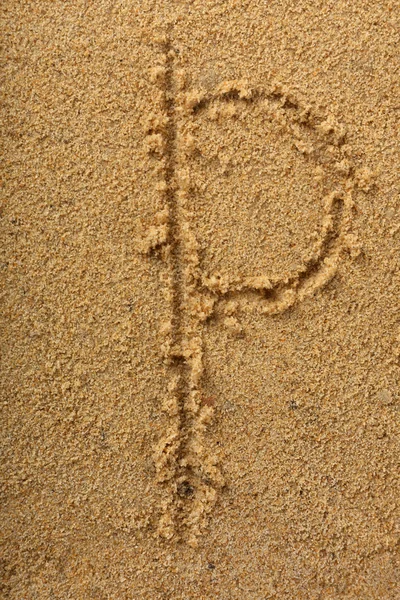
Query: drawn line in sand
x=185 y=467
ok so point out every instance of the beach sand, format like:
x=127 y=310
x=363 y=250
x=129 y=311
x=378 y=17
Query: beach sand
x=200 y=326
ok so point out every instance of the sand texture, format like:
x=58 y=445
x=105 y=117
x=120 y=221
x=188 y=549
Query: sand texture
x=200 y=282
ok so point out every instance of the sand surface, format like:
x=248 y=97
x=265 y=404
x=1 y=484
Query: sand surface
x=200 y=322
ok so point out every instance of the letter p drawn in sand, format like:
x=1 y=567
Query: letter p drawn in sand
x=187 y=470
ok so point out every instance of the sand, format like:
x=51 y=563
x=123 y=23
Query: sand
x=200 y=326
